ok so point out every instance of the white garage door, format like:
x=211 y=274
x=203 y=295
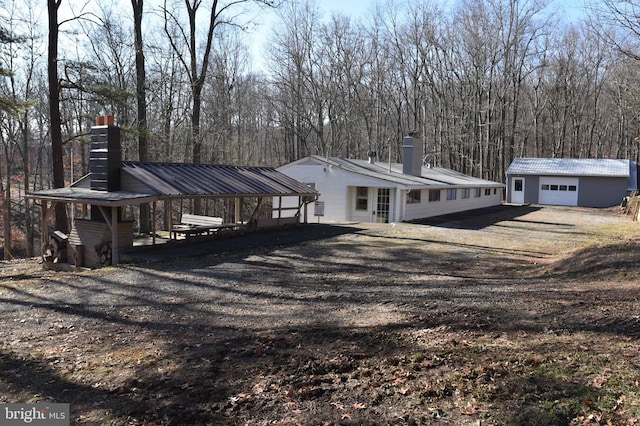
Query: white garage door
x=558 y=191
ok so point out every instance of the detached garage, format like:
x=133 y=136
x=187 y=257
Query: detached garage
x=580 y=182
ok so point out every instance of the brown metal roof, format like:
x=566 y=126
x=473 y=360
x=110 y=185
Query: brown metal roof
x=184 y=180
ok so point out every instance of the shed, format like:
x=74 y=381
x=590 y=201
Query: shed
x=583 y=182
x=372 y=191
x=113 y=184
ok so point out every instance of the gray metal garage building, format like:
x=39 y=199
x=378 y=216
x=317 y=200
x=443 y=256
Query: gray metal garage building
x=570 y=181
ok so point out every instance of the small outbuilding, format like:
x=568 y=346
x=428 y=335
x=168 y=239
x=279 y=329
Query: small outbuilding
x=383 y=192
x=583 y=182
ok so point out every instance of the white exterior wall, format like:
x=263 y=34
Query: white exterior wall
x=330 y=182
x=436 y=208
x=338 y=192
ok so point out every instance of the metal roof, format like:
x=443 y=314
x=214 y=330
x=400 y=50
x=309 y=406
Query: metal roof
x=436 y=177
x=185 y=180
x=85 y=195
x=570 y=167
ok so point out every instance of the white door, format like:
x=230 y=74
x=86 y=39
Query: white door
x=517 y=190
x=558 y=191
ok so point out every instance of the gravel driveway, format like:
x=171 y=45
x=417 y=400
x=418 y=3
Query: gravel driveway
x=518 y=315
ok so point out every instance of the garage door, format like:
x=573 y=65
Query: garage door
x=558 y=191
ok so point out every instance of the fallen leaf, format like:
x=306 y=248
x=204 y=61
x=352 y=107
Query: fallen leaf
x=345 y=416
x=403 y=391
x=597 y=383
x=359 y=406
x=471 y=411
x=338 y=405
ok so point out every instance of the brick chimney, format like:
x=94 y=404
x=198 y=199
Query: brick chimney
x=412 y=151
x=105 y=155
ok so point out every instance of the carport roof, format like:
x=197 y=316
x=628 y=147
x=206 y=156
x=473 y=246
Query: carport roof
x=208 y=180
x=571 y=167
x=181 y=180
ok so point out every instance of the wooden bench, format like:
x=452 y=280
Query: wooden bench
x=193 y=225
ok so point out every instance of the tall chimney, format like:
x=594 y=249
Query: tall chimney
x=105 y=155
x=412 y=150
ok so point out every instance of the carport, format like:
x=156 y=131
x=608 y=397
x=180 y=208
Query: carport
x=101 y=227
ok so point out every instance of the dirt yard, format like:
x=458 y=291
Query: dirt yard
x=524 y=316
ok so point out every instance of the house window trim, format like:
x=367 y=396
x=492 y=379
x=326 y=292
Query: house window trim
x=413 y=196
x=362 y=198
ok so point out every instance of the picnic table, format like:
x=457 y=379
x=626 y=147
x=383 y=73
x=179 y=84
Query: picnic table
x=193 y=225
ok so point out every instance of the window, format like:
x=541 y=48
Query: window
x=452 y=194
x=487 y=191
x=434 y=195
x=554 y=187
x=563 y=187
x=465 y=193
x=413 y=196
x=517 y=185
x=477 y=193
x=362 y=198
x=573 y=188
x=545 y=187
x=495 y=191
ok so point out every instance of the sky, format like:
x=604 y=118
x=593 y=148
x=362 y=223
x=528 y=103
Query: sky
x=360 y=9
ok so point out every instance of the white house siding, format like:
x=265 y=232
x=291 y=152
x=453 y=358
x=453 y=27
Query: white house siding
x=338 y=197
x=338 y=186
x=428 y=208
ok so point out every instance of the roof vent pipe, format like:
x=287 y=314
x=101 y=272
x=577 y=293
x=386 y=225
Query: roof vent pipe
x=412 y=151
x=372 y=156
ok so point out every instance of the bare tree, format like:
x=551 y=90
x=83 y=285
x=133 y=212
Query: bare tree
x=141 y=97
x=61 y=222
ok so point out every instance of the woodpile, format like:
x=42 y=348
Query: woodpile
x=55 y=250
x=103 y=250
x=631 y=205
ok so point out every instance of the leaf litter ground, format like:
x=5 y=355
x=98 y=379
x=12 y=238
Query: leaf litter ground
x=520 y=316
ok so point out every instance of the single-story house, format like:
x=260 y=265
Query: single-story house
x=372 y=191
x=584 y=182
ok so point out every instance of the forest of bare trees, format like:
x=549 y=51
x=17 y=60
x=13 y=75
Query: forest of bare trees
x=484 y=81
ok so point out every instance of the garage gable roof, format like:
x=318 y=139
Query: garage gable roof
x=570 y=167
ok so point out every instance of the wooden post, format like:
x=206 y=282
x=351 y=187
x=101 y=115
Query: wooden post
x=153 y=223
x=306 y=205
x=115 y=257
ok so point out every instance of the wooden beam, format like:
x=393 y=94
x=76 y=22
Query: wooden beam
x=115 y=252
x=153 y=222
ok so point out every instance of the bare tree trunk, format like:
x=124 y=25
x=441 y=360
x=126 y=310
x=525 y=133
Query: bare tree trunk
x=56 y=121
x=141 y=96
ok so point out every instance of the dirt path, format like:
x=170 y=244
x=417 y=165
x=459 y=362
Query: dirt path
x=521 y=316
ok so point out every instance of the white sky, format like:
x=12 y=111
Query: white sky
x=361 y=9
